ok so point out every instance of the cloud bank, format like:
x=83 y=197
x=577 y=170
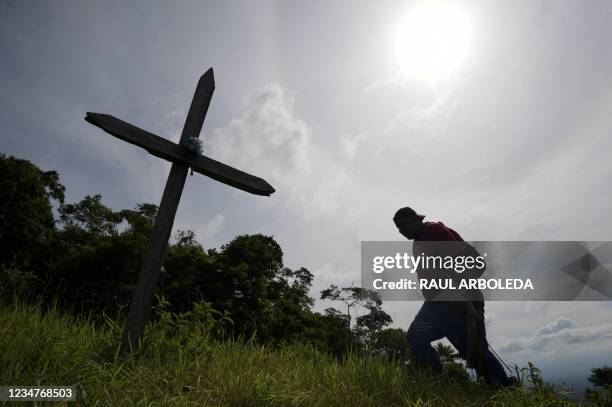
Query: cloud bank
x=558 y=332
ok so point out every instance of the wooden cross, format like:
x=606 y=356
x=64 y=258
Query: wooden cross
x=182 y=157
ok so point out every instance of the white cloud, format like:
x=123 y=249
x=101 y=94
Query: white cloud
x=207 y=233
x=172 y=123
x=556 y=333
x=350 y=143
x=489 y=318
x=268 y=136
x=270 y=140
x=555 y=326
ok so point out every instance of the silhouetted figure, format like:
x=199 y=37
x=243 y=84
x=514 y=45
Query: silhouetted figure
x=461 y=322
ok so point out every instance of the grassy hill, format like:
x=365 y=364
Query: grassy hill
x=181 y=366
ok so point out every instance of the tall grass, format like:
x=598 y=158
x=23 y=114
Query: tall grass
x=176 y=368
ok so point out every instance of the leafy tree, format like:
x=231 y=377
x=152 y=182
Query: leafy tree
x=141 y=219
x=352 y=297
x=186 y=265
x=369 y=325
x=244 y=271
x=290 y=315
x=533 y=375
x=456 y=373
x=91 y=215
x=601 y=376
x=375 y=320
x=446 y=353
x=366 y=325
x=330 y=332
x=599 y=396
x=26 y=212
x=245 y=278
x=335 y=314
x=89 y=258
x=99 y=264
x=264 y=297
x=392 y=343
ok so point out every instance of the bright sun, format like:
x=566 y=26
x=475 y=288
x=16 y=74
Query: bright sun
x=431 y=41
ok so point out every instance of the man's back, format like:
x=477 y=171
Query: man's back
x=426 y=244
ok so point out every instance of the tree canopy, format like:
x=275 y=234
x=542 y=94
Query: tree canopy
x=601 y=376
x=26 y=212
x=87 y=258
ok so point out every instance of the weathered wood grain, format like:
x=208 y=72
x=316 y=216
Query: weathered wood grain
x=199 y=106
x=140 y=304
x=155 y=145
x=181 y=158
x=172 y=152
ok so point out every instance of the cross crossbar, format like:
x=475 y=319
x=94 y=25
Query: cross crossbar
x=162 y=148
x=182 y=158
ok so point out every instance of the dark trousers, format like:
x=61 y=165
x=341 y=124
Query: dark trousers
x=437 y=320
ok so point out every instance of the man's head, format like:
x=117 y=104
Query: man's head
x=408 y=222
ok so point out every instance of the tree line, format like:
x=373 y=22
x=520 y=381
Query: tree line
x=84 y=257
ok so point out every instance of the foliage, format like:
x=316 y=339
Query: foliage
x=375 y=320
x=245 y=279
x=532 y=374
x=601 y=376
x=187 y=330
x=185 y=265
x=93 y=255
x=352 y=297
x=452 y=369
x=367 y=326
x=446 y=353
x=392 y=343
x=26 y=213
x=97 y=264
x=599 y=396
x=49 y=347
x=15 y=283
x=91 y=216
x=330 y=331
x=208 y=302
x=455 y=372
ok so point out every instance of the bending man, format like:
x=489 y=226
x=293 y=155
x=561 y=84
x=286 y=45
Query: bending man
x=461 y=322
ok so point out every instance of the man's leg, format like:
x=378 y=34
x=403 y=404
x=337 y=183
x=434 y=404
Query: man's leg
x=492 y=371
x=426 y=328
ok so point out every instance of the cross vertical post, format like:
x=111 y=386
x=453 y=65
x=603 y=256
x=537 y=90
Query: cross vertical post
x=148 y=277
x=183 y=157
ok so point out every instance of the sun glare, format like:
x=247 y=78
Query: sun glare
x=431 y=41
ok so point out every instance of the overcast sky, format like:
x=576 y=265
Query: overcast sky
x=512 y=143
